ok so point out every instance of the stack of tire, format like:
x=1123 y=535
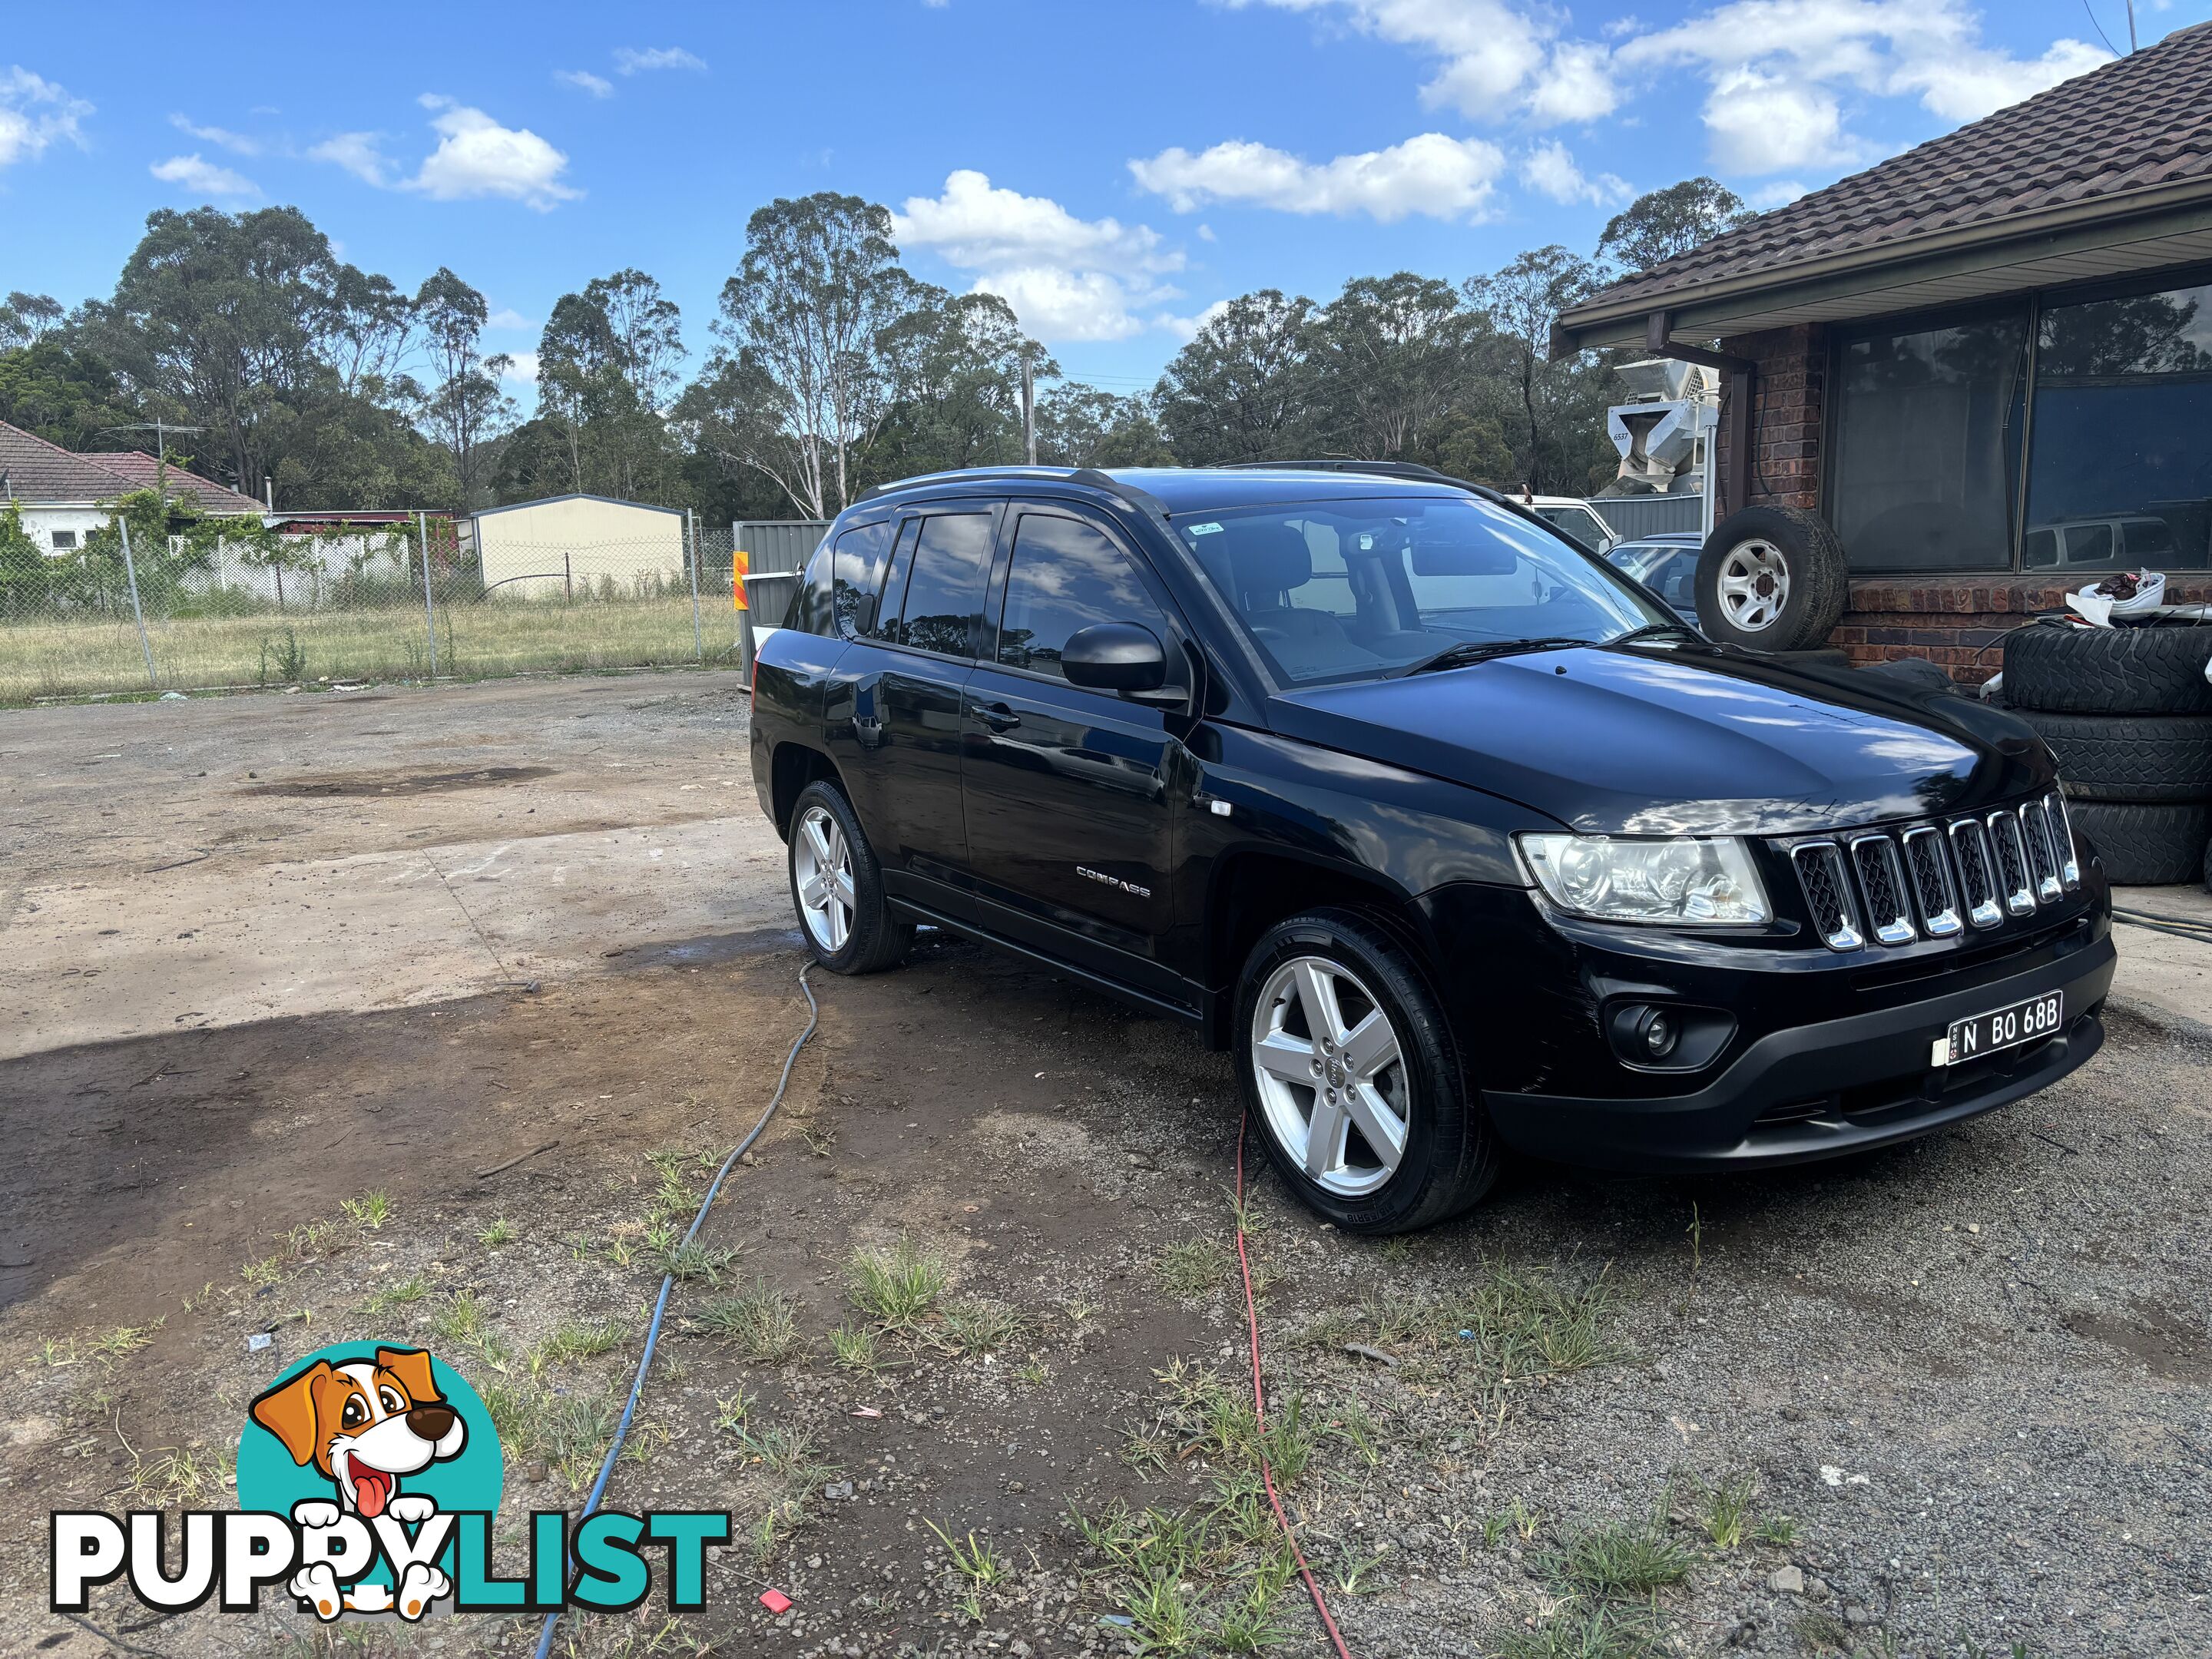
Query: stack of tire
x=2128 y=713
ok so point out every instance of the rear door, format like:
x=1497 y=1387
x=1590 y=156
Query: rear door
x=909 y=597
x=1073 y=796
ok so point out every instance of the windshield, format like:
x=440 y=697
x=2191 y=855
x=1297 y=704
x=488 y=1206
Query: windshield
x=1357 y=589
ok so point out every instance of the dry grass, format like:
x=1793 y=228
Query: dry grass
x=80 y=658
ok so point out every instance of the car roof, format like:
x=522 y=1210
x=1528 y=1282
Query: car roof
x=1663 y=538
x=1180 y=489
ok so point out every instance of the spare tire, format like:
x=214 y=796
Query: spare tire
x=2157 y=669
x=1770 y=579
x=2144 y=846
x=2129 y=757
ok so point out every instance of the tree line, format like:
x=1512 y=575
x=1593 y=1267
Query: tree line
x=830 y=367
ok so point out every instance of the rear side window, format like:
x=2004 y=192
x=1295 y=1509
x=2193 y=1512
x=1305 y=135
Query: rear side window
x=885 y=625
x=945 y=586
x=1066 y=576
x=810 y=606
x=857 y=576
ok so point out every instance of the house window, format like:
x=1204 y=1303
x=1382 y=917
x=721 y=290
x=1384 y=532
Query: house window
x=64 y=541
x=2121 y=475
x=1926 y=450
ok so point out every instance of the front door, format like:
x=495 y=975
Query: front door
x=1071 y=794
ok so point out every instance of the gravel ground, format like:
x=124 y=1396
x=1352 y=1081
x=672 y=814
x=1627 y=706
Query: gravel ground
x=1959 y=1388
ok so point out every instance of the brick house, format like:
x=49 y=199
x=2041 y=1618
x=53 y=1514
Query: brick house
x=1986 y=363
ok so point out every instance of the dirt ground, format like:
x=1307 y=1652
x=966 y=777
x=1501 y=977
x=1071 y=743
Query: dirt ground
x=287 y=980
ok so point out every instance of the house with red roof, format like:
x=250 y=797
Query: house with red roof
x=60 y=494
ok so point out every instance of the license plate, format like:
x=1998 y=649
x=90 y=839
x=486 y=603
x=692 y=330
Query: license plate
x=2006 y=1028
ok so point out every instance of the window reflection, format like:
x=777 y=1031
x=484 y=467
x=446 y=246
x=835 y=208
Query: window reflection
x=1927 y=443
x=2122 y=473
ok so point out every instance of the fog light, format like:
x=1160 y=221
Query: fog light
x=1660 y=1034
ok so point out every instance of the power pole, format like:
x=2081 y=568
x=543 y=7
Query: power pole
x=1029 y=412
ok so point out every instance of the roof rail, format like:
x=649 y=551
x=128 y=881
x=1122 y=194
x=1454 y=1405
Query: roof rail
x=1379 y=469
x=1090 y=476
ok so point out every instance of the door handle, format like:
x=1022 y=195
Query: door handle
x=997 y=716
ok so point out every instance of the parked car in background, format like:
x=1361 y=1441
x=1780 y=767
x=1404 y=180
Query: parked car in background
x=1454 y=835
x=1667 y=564
x=1575 y=518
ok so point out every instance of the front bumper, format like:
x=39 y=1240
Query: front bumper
x=1824 y=1089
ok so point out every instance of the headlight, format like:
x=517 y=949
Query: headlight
x=1686 y=880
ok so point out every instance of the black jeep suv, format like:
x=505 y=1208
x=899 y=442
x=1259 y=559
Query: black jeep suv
x=1453 y=834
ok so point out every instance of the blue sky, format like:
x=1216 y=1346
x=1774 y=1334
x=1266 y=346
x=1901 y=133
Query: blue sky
x=1113 y=169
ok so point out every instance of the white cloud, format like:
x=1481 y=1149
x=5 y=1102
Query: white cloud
x=1968 y=86
x=357 y=153
x=1444 y=178
x=1784 y=62
x=238 y=143
x=1550 y=168
x=199 y=177
x=1809 y=65
x=978 y=225
x=1780 y=193
x=508 y=317
x=476 y=157
x=632 y=60
x=1186 y=328
x=1762 y=123
x=522 y=367
x=34 y=112
x=1068 y=305
x=584 y=80
x=1066 y=278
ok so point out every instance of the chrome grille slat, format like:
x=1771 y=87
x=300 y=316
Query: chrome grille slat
x=1827 y=889
x=2061 y=835
x=2042 y=855
x=1933 y=890
x=1935 y=880
x=1977 y=873
x=2012 y=863
x=1881 y=880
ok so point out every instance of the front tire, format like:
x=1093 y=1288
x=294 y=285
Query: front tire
x=1351 y=1072
x=837 y=887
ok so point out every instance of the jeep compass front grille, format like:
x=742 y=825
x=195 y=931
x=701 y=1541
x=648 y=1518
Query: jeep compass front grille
x=1933 y=880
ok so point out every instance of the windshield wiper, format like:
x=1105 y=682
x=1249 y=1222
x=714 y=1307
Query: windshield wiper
x=1475 y=651
x=1653 y=630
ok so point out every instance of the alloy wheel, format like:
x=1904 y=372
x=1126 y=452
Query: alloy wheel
x=822 y=871
x=1332 y=1076
x=1754 y=585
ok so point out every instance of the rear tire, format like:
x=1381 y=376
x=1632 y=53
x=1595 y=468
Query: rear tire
x=1350 y=1070
x=837 y=887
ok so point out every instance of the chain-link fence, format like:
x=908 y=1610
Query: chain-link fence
x=381 y=602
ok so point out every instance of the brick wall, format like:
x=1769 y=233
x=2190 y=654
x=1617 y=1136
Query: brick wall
x=1786 y=398
x=1958 y=621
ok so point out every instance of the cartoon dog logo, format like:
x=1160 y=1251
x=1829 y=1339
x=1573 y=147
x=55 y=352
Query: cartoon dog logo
x=365 y=1427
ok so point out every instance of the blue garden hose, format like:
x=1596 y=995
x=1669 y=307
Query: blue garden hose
x=668 y=1281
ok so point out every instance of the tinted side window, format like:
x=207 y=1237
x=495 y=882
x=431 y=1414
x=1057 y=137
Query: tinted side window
x=857 y=573
x=1065 y=576
x=810 y=606
x=947 y=582
x=885 y=625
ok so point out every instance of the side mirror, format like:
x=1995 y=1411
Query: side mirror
x=1114 y=656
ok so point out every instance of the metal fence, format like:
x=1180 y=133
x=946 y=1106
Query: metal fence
x=1631 y=516
x=384 y=603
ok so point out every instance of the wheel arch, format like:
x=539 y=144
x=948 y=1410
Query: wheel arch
x=1249 y=890
x=792 y=767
